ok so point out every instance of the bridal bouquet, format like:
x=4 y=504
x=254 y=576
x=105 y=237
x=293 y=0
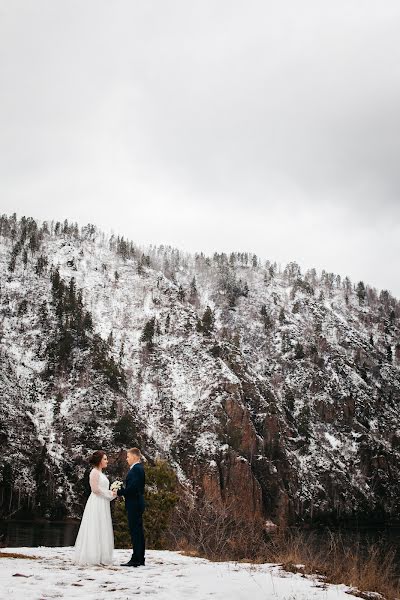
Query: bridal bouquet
x=116 y=485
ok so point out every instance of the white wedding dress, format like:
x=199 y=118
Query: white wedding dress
x=95 y=541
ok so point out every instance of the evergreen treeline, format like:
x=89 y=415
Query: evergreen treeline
x=73 y=333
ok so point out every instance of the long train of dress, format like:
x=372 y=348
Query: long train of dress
x=95 y=541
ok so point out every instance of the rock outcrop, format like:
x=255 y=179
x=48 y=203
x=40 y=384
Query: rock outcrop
x=280 y=400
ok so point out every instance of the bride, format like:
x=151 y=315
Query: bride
x=95 y=541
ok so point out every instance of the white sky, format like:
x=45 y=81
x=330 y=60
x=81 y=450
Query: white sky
x=271 y=127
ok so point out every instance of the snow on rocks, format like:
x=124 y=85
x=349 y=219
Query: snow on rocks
x=314 y=366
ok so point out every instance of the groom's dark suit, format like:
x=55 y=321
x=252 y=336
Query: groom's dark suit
x=134 y=505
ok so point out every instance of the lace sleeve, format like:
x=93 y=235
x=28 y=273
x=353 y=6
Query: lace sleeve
x=94 y=480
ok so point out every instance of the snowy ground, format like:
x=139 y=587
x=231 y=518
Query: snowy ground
x=166 y=575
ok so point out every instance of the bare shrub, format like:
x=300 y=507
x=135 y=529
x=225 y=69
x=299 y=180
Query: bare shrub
x=215 y=532
x=202 y=528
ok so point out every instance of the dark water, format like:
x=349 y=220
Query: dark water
x=387 y=538
x=14 y=534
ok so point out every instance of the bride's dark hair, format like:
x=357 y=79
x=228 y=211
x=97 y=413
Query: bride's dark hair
x=96 y=458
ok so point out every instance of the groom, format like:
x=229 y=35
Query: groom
x=134 y=505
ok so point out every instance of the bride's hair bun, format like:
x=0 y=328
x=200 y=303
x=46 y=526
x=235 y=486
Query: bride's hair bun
x=96 y=458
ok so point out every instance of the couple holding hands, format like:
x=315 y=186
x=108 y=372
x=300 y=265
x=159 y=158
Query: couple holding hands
x=95 y=541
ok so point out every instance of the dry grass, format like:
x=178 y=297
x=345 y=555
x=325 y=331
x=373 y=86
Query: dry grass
x=214 y=533
x=364 y=567
x=17 y=555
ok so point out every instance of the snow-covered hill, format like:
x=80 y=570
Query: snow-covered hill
x=270 y=389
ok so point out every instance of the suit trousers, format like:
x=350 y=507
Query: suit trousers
x=135 y=523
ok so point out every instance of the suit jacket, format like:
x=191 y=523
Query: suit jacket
x=134 y=489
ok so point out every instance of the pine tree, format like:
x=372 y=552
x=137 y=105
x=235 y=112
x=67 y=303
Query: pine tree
x=105 y=364
x=7 y=485
x=23 y=307
x=32 y=392
x=161 y=498
x=55 y=280
x=267 y=321
x=121 y=354
x=65 y=346
x=110 y=340
x=193 y=295
x=148 y=333
x=43 y=314
x=303 y=422
x=122 y=538
x=87 y=323
x=206 y=325
x=14 y=253
x=41 y=265
x=125 y=431
x=74 y=330
x=286 y=345
x=34 y=243
x=72 y=295
x=361 y=293
x=299 y=351
x=181 y=294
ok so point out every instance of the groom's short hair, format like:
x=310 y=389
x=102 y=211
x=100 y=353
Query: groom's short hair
x=135 y=452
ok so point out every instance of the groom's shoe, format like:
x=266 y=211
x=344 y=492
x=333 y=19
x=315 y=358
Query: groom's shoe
x=130 y=563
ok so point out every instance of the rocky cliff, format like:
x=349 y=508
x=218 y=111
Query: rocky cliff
x=274 y=391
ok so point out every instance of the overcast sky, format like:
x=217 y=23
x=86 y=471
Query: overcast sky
x=272 y=127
